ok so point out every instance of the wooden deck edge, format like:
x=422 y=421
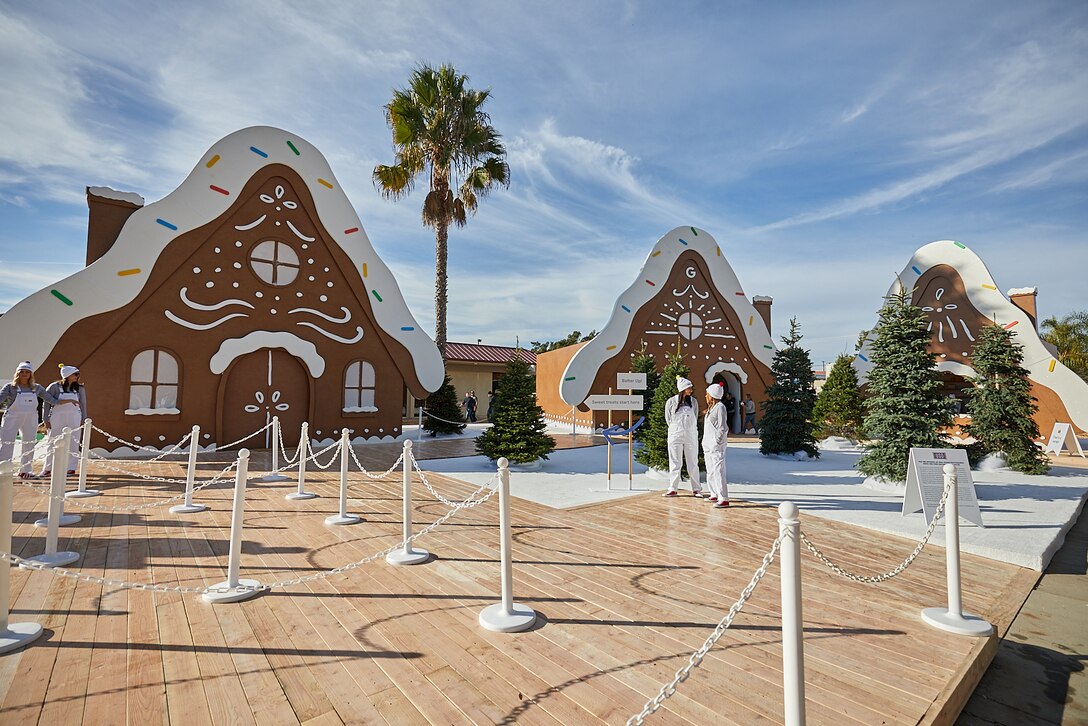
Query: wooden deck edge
x=946 y=708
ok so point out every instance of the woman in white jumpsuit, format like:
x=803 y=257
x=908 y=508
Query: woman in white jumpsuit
x=21 y=418
x=68 y=413
x=715 y=436
x=682 y=417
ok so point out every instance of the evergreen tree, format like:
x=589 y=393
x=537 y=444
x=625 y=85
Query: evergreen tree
x=644 y=362
x=655 y=450
x=1000 y=402
x=906 y=408
x=517 y=431
x=787 y=414
x=444 y=407
x=839 y=409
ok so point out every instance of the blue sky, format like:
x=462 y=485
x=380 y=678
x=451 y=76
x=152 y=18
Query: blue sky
x=820 y=143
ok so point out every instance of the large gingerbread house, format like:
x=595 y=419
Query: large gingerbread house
x=251 y=291
x=955 y=289
x=686 y=298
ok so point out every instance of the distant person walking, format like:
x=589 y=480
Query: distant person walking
x=490 y=404
x=749 y=414
x=715 y=437
x=730 y=404
x=682 y=418
x=470 y=406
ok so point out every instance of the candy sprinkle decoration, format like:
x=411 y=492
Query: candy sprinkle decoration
x=258 y=152
x=1011 y=324
x=124 y=273
x=166 y=224
x=221 y=190
x=961 y=246
x=212 y=161
x=1051 y=367
x=325 y=183
x=292 y=146
x=59 y=296
x=916 y=270
x=375 y=294
x=351 y=230
x=989 y=287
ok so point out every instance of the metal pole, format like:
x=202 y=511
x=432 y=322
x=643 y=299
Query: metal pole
x=303 y=449
x=15 y=635
x=190 y=477
x=84 y=465
x=229 y=591
x=407 y=555
x=343 y=517
x=506 y=616
x=793 y=649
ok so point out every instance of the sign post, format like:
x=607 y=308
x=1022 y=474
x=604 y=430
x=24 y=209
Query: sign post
x=925 y=484
x=1062 y=437
x=621 y=402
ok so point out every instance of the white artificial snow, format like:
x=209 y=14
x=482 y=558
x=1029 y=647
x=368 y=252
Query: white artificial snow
x=108 y=193
x=151 y=411
x=260 y=339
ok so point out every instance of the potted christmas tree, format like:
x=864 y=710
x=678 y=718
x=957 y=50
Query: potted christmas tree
x=787 y=414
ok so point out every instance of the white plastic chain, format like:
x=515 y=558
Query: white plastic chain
x=84 y=504
x=95 y=579
x=436 y=418
x=172 y=449
x=384 y=474
x=873 y=579
x=290 y=460
x=696 y=658
x=431 y=489
x=313 y=456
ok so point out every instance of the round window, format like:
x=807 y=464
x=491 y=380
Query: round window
x=274 y=262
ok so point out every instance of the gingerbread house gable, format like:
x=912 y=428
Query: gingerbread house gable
x=256 y=267
x=955 y=289
x=685 y=297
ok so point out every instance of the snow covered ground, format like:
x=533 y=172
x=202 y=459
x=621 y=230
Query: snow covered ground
x=1026 y=517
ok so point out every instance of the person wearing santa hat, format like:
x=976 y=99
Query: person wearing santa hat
x=21 y=417
x=715 y=436
x=69 y=412
x=682 y=418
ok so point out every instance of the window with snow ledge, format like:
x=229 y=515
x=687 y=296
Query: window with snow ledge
x=153 y=384
x=359 y=388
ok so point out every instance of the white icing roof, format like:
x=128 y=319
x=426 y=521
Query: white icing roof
x=583 y=367
x=982 y=291
x=1022 y=291
x=108 y=193
x=228 y=165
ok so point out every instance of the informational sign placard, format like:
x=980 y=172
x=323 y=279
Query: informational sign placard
x=1062 y=437
x=925 y=483
x=631 y=381
x=614 y=402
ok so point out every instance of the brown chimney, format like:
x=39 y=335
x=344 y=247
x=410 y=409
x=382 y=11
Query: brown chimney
x=762 y=304
x=108 y=210
x=1024 y=298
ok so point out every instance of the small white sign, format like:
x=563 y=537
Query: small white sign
x=614 y=402
x=1062 y=437
x=631 y=381
x=925 y=483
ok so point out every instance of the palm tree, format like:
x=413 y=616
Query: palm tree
x=438 y=126
x=1070 y=336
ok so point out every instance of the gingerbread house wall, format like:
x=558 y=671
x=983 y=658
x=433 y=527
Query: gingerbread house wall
x=549 y=371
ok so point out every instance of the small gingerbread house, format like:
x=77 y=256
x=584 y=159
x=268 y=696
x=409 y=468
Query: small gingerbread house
x=686 y=298
x=251 y=291
x=953 y=287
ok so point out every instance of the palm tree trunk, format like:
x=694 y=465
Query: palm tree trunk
x=441 y=248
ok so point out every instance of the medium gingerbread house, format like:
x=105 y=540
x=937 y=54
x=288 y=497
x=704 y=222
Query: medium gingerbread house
x=251 y=291
x=686 y=298
x=952 y=285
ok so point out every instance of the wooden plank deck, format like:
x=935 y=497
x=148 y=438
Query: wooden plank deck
x=625 y=591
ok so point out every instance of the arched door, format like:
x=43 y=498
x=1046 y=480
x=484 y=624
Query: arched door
x=260 y=385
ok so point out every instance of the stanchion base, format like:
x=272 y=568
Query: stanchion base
x=65 y=520
x=85 y=493
x=17 y=635
x=407 y=557
x=187 y=508
x=273 y=477
x=346 y=519
x=57 y=559
x=495 y=618
x=296 y=496
x=230 y=594
x=966 y=625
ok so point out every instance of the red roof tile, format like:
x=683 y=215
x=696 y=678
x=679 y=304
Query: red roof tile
x=475 y=353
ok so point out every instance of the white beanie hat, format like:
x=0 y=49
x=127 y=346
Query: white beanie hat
x=66 y=371
x=682 y=383
x=24 y=366
x=716 y=391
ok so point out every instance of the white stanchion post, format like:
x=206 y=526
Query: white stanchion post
x=275 y=474
x=58 y=478
x=793 y=644
x=343 y=517
x=84 y=464
x=12 y=635
x=234 y=589
x=954 y=620
x=59 y=463
x=506 y=616
x=190 y=477
x=407 y=555
x=303 y=451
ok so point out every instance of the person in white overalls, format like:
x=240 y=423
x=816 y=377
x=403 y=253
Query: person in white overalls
x=21 y=418
x=715 y=437
x=682 y=417
x=68 y=413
